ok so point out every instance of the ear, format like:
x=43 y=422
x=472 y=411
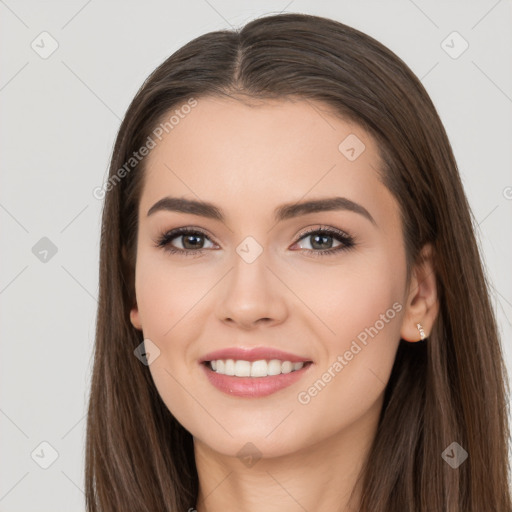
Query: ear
x=129 y=271
x=422 y=304
x=135 y=318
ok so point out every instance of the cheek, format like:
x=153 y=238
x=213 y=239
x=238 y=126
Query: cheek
x=364 y=310
x=168 y=294
x=364 y=303
x=349 y=298
x=167 y=299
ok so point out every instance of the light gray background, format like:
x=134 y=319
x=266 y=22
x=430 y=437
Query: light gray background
x=60 y=116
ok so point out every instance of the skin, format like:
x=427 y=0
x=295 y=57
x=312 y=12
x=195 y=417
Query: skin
x=247 y=160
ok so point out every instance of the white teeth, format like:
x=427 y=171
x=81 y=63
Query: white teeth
x=286 y=367
x=274 y=367
x=260 y=368
x=242 y=368
x=229 y=367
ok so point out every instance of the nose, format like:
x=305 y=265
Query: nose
x=252 y=295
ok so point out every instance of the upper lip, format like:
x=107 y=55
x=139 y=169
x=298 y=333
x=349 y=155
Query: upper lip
x=253 y=354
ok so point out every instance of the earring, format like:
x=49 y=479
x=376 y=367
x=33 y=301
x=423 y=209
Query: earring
x=422 y=332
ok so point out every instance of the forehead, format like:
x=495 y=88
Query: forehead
x=270 y=151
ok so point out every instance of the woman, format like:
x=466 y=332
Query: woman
x=329 y=344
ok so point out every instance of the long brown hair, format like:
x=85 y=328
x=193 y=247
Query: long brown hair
x=451 y=388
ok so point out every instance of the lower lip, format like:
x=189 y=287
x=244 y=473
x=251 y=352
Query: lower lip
x=253 y=387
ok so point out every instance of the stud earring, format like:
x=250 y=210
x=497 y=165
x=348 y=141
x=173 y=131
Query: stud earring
x=422 y=332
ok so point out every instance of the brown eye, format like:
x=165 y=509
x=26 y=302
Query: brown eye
x=191 y=241
x=321 y=241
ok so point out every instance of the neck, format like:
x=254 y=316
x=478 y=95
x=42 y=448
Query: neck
x=321 y=476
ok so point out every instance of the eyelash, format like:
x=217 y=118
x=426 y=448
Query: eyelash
x=347 y=241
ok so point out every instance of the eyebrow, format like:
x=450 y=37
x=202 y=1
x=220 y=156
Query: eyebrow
x=283 y=212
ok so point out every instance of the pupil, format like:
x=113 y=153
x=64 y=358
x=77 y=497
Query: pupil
x=323 y=238
x=188 y=238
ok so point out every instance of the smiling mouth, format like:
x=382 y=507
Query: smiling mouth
x=259 y=368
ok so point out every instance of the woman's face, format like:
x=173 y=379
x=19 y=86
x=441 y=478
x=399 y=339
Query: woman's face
x=257 y=279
